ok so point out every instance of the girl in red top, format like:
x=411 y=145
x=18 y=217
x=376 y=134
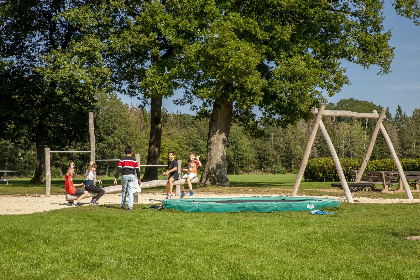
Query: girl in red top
x=71 y=188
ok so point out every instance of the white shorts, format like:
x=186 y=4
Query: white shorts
x=191 y=175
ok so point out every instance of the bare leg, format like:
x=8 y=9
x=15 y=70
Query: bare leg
x=81 y=197
x=167 y=189
x=171 y=185
x=189 y=183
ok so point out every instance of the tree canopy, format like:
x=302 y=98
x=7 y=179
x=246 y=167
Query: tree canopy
x=234 y=56
x=46 y=100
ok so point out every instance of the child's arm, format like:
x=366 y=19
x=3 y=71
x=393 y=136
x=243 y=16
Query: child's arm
x=198 y=160
x=170 y=171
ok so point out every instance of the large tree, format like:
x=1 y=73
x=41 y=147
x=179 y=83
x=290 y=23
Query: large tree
x=139 y=52
x=42 y=99
x=278 y=56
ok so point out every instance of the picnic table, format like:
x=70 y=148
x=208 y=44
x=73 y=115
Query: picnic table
x=6 y=173
x=387 y=179
x=394 y=178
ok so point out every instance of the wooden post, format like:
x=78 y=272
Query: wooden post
x=370 y=147
x=337 y=163
x=92 y=137
x=308 y=150
x=178 y=188
x=47 y=172
x=136 y=195
x=92 y=140
x=397 y=162
x=137 y=156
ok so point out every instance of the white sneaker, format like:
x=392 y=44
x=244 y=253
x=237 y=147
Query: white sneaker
x=170 y=195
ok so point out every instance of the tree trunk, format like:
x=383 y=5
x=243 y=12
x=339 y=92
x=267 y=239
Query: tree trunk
x=151 y=173
x=40 y=155
x=215 y=171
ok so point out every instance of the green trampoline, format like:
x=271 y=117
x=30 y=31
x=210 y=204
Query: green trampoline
x=256 y=204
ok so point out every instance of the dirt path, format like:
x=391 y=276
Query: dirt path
x=12 y=205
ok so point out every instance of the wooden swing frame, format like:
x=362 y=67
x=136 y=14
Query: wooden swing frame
x=319 y=113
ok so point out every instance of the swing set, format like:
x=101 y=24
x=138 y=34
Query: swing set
x=319 y=113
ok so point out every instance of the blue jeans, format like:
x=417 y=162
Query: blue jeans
x=127 y=182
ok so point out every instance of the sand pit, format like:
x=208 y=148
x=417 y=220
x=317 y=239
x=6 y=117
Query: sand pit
x=28 y=204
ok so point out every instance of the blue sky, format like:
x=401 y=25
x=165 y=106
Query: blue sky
x=400 y=87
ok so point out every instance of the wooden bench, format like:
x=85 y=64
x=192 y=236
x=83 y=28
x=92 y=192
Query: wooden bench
x=150 y=184
x=354 y=187
x=393 y=178
x=413 y=179
x=387 y=179
x=367 y=182
x=6 y=172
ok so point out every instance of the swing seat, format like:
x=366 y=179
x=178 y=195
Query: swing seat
x=354 y=187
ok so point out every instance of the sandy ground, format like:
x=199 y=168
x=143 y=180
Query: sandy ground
x=13 y=205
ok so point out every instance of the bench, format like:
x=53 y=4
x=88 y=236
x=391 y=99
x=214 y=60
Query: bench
x=7 y=175
x=354 y=187
x=412 y=177
x=367 y=182
x=385 y=178
x=150 y=184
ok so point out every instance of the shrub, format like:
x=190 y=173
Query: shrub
x=278 y=169
x=56 y=172
x=323 y=169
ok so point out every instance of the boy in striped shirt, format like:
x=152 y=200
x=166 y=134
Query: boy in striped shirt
x=128 y=167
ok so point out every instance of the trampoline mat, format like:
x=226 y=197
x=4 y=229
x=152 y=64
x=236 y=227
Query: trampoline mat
x=256 y=204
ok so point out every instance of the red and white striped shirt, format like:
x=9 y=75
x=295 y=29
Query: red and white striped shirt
x=128 y=166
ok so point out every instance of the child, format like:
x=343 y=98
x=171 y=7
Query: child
x=128 y=167
x=193 y=165
x=71 y=188
x=172 y=172
x=90 y=183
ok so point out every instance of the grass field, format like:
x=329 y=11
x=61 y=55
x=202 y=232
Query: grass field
x=361 y=241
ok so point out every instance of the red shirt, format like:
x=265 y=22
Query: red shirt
x=70 y=188
x=192 y=167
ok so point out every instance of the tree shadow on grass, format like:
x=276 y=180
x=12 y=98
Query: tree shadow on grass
x=260 y=184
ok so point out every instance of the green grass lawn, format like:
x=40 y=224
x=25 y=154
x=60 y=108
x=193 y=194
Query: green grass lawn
x=362 y=241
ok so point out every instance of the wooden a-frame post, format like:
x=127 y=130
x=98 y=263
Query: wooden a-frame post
x=379 y=127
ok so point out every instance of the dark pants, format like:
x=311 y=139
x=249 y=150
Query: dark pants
x=96 y=189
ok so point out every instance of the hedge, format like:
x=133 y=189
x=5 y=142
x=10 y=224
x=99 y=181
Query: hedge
x=323 y=169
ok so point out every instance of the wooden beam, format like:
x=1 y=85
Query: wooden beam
x=47 y=172
x=308 y=150
x=92 y=137
x=337 y=163
x=397 y=162
x=145 y=185
x=370 y=147
x=349 y=114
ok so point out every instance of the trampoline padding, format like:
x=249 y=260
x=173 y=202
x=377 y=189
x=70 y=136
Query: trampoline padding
x=255 y=204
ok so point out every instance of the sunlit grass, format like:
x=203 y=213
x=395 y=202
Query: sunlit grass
x=362 y=241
